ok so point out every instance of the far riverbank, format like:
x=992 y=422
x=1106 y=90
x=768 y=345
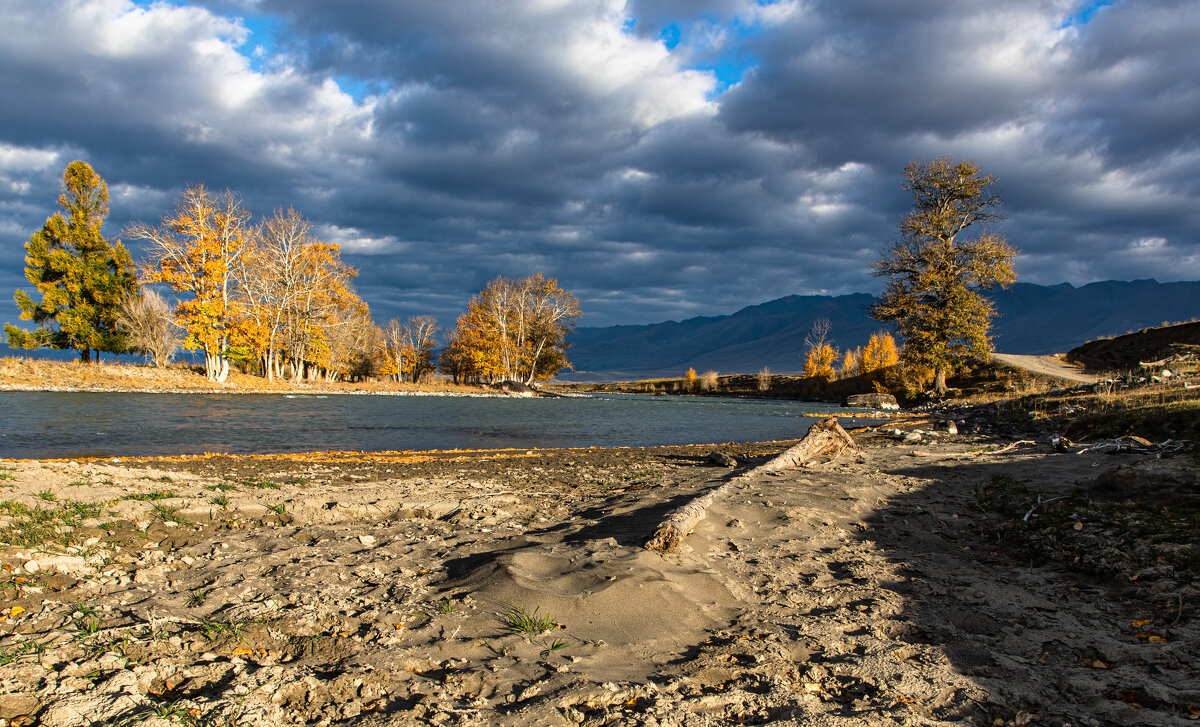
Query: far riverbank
x=21 y=374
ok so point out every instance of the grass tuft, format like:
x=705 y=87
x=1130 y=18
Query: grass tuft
x=520 y=620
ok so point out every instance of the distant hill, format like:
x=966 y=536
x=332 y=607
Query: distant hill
x=1033 y=319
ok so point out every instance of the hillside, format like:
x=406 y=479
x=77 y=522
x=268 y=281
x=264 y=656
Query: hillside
x=1129 y=350
x=1033 y=319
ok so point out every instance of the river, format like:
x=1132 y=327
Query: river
x=57 y=424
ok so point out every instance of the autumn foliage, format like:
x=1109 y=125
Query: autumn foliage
x=935 y=274
x=513 y=330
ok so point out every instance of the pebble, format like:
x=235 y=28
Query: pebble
x=367 y=540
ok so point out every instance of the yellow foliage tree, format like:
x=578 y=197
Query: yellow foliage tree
x=194 y=251
x=820 y=355
x=850 y=362
x=879 y=354
x=818 y=362
x=516 y=329
x=935 y=274
x=690 y=379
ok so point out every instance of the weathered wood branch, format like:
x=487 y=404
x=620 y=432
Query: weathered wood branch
x=826 y=438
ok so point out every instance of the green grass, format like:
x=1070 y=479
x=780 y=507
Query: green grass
x=220 y=501
x=221 y=487
x=170 y=514
x=152 y=496
x=278 y=508
x=262 y=484
x=38 y=527
x=448 y=606
x=8 y=473
x=299 y=481
x=214 y=629
x=47 y=496
x=198 y=596
x=10 y=654
x=519 y=620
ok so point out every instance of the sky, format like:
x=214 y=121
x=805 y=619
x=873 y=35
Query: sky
x=662 y=158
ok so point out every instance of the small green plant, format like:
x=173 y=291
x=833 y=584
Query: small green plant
x=221 y=487
x=262 y=484
x=13 y=653
x=220 y=501
x=47 y=495
x=213 y=628
x=173 y=712
x=152 y=496
x=448 y=606
x=278 y=508
x=197 y=597
x=519 y=620
x=170 y=515
x=298 y=481
x=8 y=473
x=83 y=481
x=554 y=647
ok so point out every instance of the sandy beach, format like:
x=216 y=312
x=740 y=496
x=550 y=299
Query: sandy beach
x=899 y=583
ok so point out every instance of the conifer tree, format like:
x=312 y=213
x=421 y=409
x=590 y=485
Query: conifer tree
x=83 y=277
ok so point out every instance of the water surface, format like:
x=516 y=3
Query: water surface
x=57 y=424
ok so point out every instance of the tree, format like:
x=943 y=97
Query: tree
x=879 y=354
x=195 y=251
x=147 y=323
x=517 y=329
x=83 y=278
x=819 y=353
x=286 y=278
x=935 y=276
x=420 y=337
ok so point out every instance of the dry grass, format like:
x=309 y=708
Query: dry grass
x=33 y=374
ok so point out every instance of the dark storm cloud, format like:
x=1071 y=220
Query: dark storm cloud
x=443 y=144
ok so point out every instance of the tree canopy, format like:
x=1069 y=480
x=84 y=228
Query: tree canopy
x=83 y=278
x=935 y=274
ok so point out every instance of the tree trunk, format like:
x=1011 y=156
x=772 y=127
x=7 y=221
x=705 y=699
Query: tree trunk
x=85 y=355
x=825 y=438
x=533 y=364
x=939 y=384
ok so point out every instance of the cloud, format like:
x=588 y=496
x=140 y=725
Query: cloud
x=751 y=151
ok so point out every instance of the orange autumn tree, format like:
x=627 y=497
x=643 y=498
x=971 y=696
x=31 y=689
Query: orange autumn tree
x=285 y=268
x=515 y=329
x=819 y=353
x=880 y=354
x=195 y=251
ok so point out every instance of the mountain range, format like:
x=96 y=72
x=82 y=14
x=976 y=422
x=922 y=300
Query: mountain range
x=1032 y=319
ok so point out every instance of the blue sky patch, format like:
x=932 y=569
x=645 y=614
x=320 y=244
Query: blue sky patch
x=1084 y=15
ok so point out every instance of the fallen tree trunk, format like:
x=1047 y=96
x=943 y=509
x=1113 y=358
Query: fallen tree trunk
x=826 y=438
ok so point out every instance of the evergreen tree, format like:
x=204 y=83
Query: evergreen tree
x=82 y=277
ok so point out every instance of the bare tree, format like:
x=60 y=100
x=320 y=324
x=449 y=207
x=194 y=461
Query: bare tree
x=420 y=336
x=149 y=326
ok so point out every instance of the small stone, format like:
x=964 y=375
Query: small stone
x=367 y=540
x=32 y=566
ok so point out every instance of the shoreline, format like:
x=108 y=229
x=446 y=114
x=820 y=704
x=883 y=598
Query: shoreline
x=386 y=589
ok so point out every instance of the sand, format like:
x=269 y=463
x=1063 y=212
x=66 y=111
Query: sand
x=510 y=587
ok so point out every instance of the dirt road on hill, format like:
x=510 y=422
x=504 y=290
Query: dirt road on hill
x=890 y=586
x=1046 y=366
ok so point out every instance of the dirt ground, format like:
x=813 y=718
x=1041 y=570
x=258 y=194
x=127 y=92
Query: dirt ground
x=902 y=583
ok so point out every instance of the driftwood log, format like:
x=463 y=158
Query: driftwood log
x=826 y=438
